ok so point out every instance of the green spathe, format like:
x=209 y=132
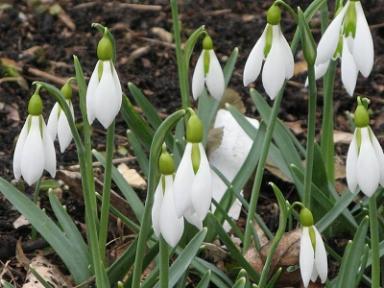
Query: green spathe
x=306 y=218
x=66 y=90
x=361 y=113
x=35 y=105
x=166 y=163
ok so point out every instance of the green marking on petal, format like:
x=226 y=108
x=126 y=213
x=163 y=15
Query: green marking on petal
x=206 y=61
x=358 y=139
x=162 y=179
x=268 y=40
x=100 y=69
x=339 y=48
x=195 y=155
x=350 y=20
x=312 y=236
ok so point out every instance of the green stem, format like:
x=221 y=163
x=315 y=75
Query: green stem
x=103 y=230
x=180 y=59
x=35 y=200
x=164 y=264
x=260 y=170
x=375 y=245
x=327 y=145
x=312 y=98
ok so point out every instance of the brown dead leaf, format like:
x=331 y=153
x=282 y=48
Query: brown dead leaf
x=132 y=177
x=341 y=137
x=277 y=172
x=12 y=112
x=300 y=68
x=20 y=221
x=233 y=98
x=162 y=34
x=20 y=256
x=215 y=137
x=296 y=127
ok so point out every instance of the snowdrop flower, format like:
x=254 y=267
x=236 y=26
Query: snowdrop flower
x=347 y=37
x=57 y=122
x=164 y=219
x=193 y=180
x=104 y=94
x=274 y=49
x=313 y=257
x=365 y=158
x=34 y=150
x=208 y=73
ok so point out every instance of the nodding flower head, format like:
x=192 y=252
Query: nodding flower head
x=365 y=158
x=273 y=48
x=193 y=179
x=347 y=37
x=164 y=218
x=34 y=149
x=313 y=256
x=104 y=94
x=58 y=123
x=208 y=72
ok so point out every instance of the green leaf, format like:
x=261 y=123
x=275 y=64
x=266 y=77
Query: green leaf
x=230 y=65
x=185 y=258
x=218 y=277
x=234 y=252
x=68 y=227
x=77 y=264
x=7 y=284
x=42 y=281
x=240 y=283
x=140 y=154
x=136 y=123
x=204 y=282
x=149 y=110
x=129 y=194
x=352 y=258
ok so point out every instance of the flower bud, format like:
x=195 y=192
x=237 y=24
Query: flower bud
x=194 y=129
x=35 y=105
x=105 y=48
x=166 y=163
x=66 y=90
x=274 y=15
x=361 y=113
x=306 y=218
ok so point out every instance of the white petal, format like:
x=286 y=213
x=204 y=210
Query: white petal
x=314 y=274
x=215 y=77
x=52 y=121
x=156 y=208
x=307 y=256
x=368 y=170
x=183 y=182
x=255 y=60
x=171 y=226
x=321 y=261
x=363 y=51
x=274 y=73
x=198 y=78
x=32 y=157
x=201 y=194
x=379 y=155
x=119 y=91
x=49 y=152
x=91 y=90
x=348 y=69
x=351 y=169
x=289 y=60
x=191 y=216
x=63 y=130
x=328 y=42
x=19 y=150
x=107 y=96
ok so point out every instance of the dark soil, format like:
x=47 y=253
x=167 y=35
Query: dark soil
x=34 y=38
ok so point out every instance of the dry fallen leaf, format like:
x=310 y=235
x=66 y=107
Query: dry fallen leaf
x=215 y=137
x=20 y=221
x=233 y=98
x=133 y=178
x=163 y=34
x=342 y=137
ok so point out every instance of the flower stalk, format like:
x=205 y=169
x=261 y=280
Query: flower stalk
x=375 y=242
x=164 y=263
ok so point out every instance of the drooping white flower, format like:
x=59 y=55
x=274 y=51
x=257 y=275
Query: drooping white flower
x=34 y=149
x=104 y=94
x=57 y=122
x=274 y=49
x=193 y=179
x=365 y=158
x=347 y=37
x=164 y=219
x=313 y=256
x=208 y=73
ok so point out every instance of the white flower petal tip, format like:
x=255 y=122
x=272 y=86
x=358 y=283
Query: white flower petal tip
x=274 y=74
x=213 y=80
x=313 y=262
x=368 y=166
x=104 y=96
x=255 y=61
x=156 y=208
x=34 y=151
